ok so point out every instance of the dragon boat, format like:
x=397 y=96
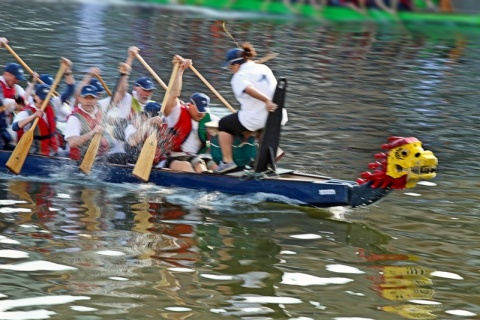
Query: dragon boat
x=278 y=10
x=403 y=164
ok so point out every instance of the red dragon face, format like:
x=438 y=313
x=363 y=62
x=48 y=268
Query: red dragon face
x=402 y=166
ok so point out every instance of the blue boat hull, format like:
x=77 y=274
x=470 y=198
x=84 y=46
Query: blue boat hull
x=310 y=190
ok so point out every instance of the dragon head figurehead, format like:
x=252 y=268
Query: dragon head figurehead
x=402 y=166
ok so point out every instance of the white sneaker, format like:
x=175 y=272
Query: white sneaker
x=225 y=167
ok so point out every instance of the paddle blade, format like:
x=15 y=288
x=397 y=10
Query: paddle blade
x=91 y=153
x=19 y=154
x=143 y=167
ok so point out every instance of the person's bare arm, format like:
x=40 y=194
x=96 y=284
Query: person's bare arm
x=176 y=90
x=77 y=141
x=22 y=123
x=31 y=85
x=68 y=73
x=124 y=70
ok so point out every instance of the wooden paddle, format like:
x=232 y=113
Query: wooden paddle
x=90 y=154
x=267 y=57
x=143 y=167
x=213 y=89
x=19 y=154
x=99 y=77
x=152 y=72
x=24 y=65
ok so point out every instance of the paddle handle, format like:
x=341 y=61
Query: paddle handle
x=15 y=55
x=99 y=77
x=212 y=89
x=152 y=72
x=268 y=57
x=24 y=65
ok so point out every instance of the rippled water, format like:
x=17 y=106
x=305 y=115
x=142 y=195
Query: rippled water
x=73 y=248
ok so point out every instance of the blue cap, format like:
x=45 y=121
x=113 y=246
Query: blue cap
x=89 y=90
x=145 y=83
x=46 y=78
x=152 y=109
x=233 y=56
x=16 y=70
x=42 y=91
x=97 y=84
x=201 y=101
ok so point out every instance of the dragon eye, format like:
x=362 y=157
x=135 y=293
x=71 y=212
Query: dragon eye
x=402 y=153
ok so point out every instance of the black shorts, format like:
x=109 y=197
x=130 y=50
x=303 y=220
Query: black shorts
x=231 y=124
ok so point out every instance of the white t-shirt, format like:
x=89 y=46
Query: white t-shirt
x=253 y=113
x=193 y=143
x=74 y=126
x=74 y=129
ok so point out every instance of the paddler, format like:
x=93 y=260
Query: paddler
x=45 y=139
x=84 y=123
x=61 y=112
x=188 y=121
x=128 y=105
x=10 y=93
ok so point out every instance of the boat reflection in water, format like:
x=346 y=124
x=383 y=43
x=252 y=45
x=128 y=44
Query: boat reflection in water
x=82 y=242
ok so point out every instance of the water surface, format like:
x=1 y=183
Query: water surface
x=73 y=248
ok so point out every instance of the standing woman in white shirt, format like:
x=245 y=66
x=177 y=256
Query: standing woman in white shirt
x=253 y=85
